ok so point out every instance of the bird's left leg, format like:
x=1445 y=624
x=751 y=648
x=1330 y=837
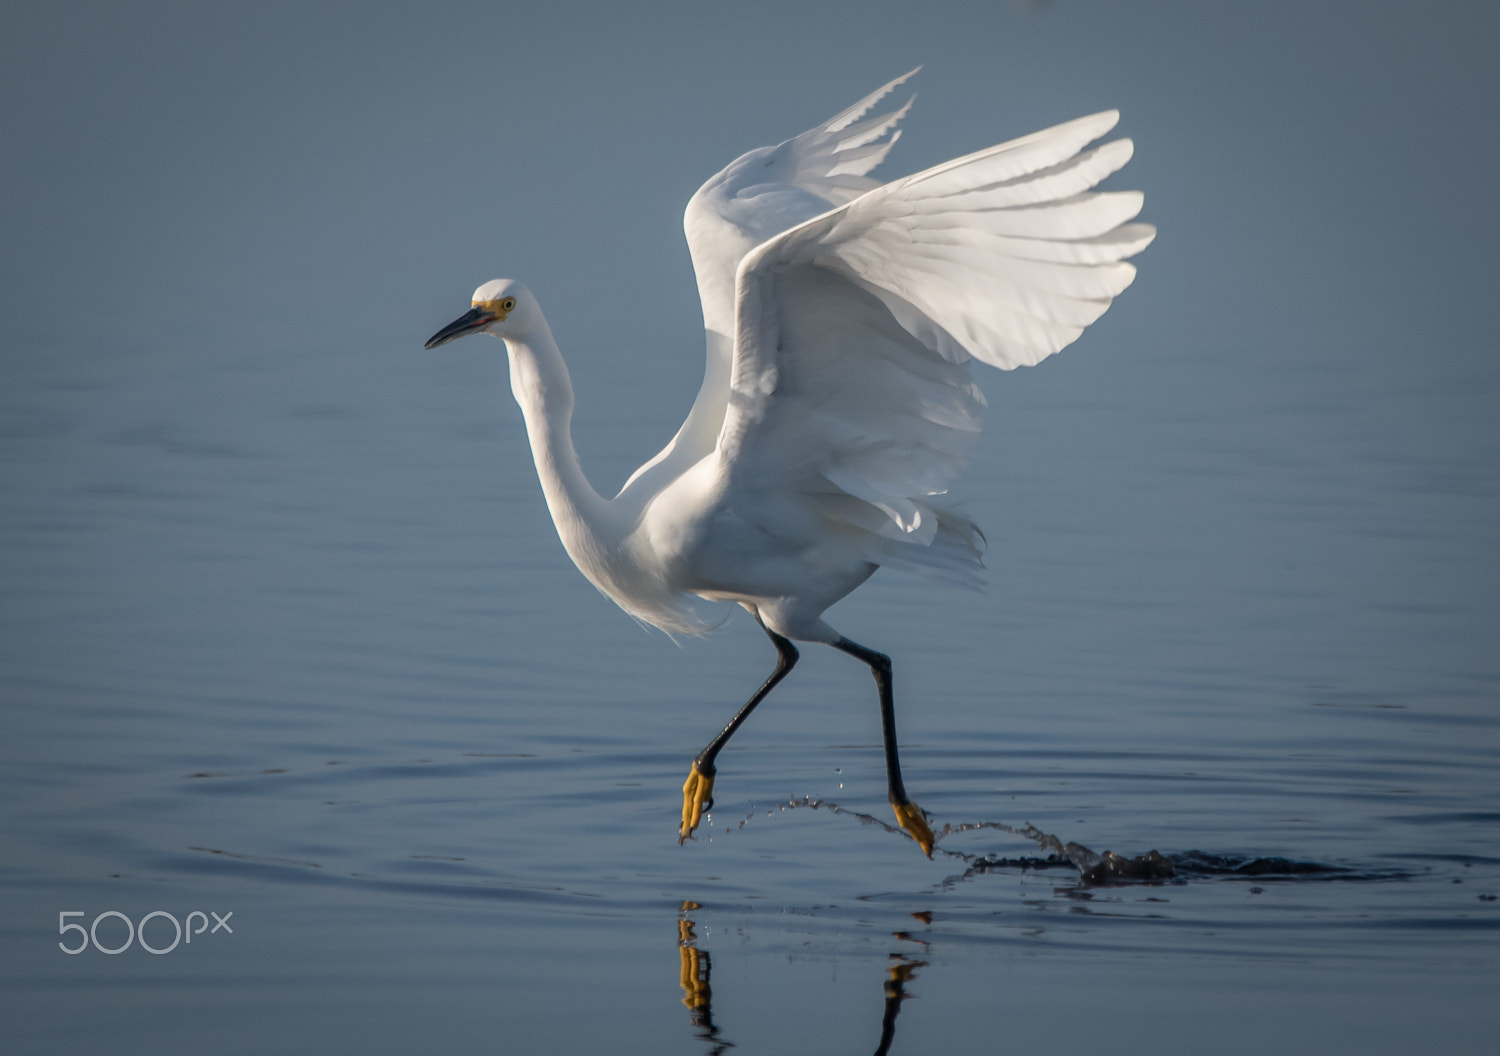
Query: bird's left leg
x=698 y=790
x=908 y=814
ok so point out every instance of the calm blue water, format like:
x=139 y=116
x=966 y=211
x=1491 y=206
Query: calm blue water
x=287 y=640
x=290 y=638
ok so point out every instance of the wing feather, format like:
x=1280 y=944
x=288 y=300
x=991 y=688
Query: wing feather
x=851 y=388
x=770 y=189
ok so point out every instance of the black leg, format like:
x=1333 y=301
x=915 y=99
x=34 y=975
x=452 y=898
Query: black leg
x=786 y=658
x=697 y=793
x=908 y=813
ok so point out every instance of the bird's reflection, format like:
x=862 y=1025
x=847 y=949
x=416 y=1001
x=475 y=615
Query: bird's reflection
x=693 y=977
x=895 y=993
x=696 y=967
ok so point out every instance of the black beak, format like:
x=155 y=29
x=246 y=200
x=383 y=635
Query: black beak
x=472 y=320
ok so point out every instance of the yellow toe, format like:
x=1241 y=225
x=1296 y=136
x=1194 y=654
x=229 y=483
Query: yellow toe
x=697 y=792
x=910 y=817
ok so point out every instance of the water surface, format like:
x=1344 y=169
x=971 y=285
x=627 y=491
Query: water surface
x=285 y=632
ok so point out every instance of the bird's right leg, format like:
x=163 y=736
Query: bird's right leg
x=909 y=816
x=698 y=790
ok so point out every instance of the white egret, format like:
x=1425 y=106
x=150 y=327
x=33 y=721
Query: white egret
x=837 y=405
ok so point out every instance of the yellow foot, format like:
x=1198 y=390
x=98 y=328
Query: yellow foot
x=910 y=817
x=697 y=796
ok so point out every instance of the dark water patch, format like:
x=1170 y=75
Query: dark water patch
x=1465 y=860
x=483 y=763
x=1201 y=864
x=257 y=858
x=1468 y=817
x=443 y=879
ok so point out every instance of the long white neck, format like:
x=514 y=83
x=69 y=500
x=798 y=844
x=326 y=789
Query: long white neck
x=539 y=380
x=603 y=537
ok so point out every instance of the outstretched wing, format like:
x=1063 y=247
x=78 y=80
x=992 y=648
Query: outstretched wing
x=833 y=161
x=755 y=197
x=770 y=189
x=850 y=390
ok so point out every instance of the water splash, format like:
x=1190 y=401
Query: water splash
x=1101 y=868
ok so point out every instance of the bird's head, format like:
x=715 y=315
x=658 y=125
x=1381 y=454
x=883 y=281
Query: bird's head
x=501 y=307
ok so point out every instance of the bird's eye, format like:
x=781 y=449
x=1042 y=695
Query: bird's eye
x=508 y=304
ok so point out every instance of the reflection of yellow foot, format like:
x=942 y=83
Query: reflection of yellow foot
x=697 y=796
x=696 y=993
x=898 y=976
x=910 y=817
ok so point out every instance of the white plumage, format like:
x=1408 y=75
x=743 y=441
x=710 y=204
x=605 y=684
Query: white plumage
x=837 y=405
